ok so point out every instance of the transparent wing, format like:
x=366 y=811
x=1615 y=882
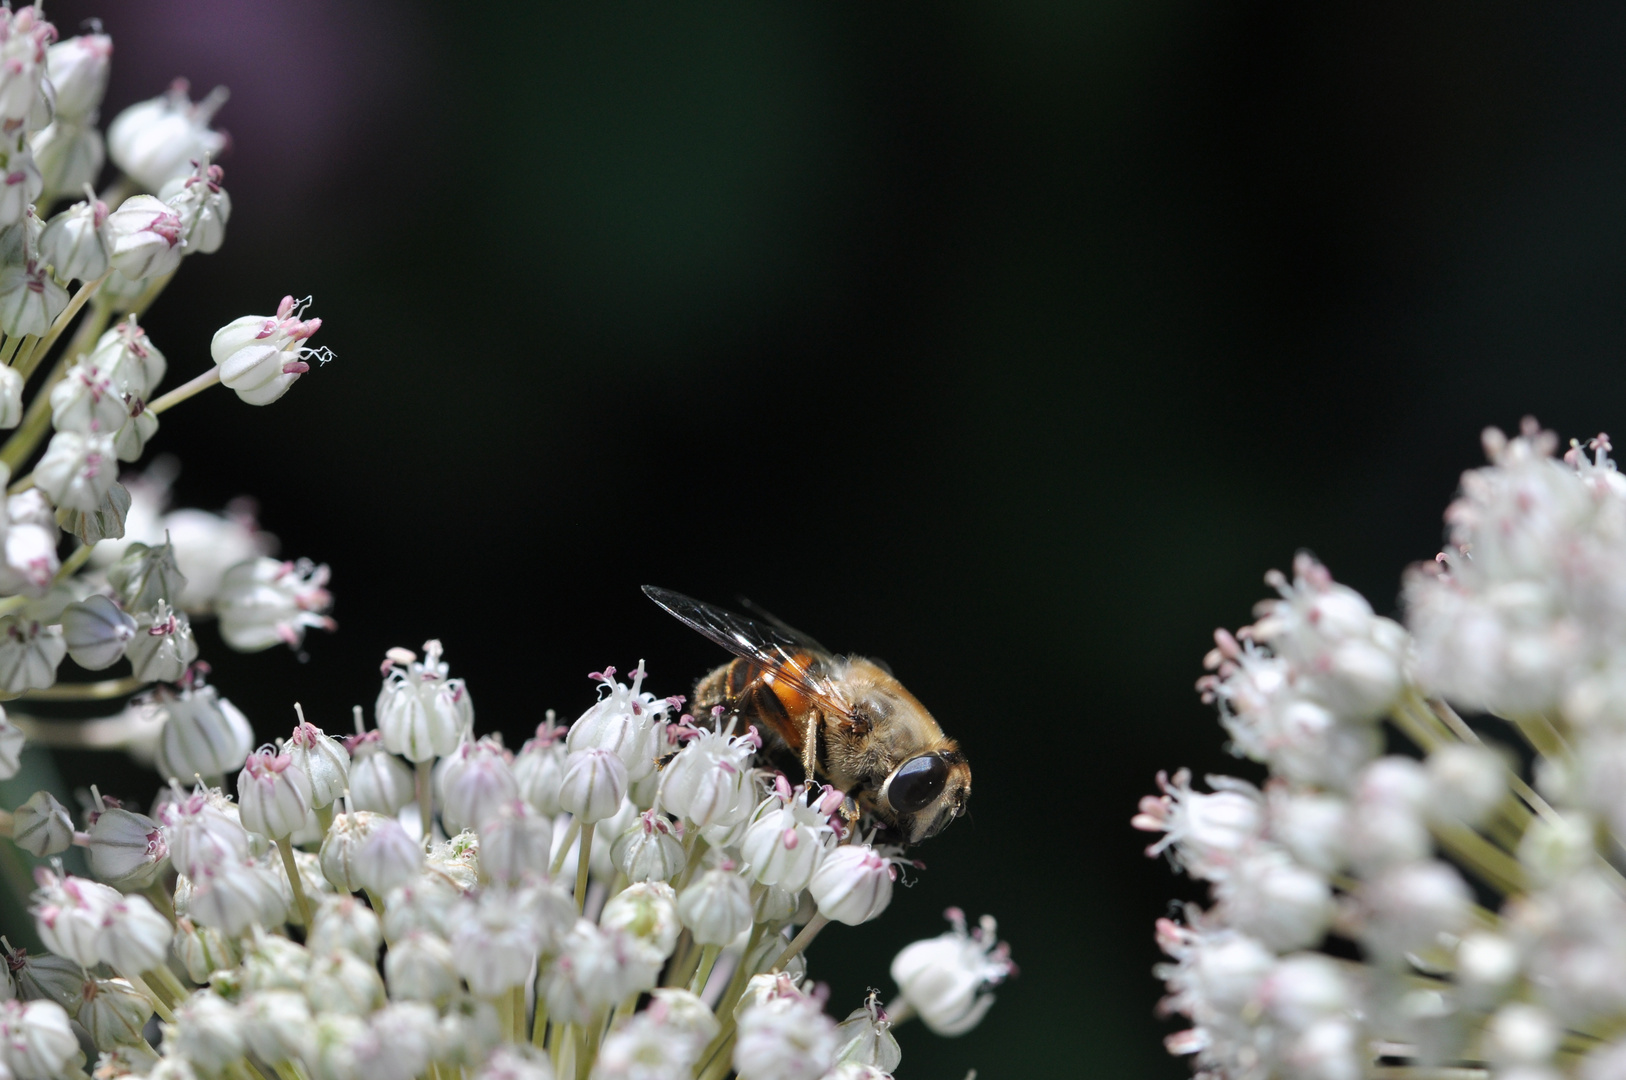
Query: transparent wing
x=792 y=656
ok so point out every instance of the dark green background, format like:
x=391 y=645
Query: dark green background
x=1011 y=342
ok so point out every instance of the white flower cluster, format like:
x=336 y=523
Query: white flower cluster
x=1352 y=931
x=79 y=390
x=632 y=898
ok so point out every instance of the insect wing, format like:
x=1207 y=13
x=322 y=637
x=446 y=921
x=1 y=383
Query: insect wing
x=777 y=648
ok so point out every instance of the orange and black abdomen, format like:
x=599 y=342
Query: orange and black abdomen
x=744 y=688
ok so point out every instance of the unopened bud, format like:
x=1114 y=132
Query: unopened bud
x=41 y=826
x=30 y=299
x=96 y=632
x=75 y=242
x=163 y=646
x=145 y=235
x=146 y=576
x=77 y=470
x=157 y=139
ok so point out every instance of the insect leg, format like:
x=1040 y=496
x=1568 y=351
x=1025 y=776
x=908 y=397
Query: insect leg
x=810 y=743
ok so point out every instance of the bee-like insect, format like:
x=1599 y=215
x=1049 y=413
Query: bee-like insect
x=848 y=719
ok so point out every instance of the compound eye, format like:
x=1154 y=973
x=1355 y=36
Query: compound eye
x=917 y=782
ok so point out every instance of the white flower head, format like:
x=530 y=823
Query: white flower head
x=157 y=139
x=264 y=602
x=946 y=979
x=1203 y=833
x=626 y=720
x=261 y=356
x=421 y=713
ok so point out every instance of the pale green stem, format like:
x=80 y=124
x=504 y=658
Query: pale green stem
x=426 y=799
x=539 y=1024
x=93 y=691
x=162 y=900
x=185 y=390
x=800 y=941
x=300 y=899
x=324 y=818
x=167 y=978
x=564 y=848
x=71 y=565
x=708 y=960
x=158 y=1004
x=516 y=999
x=581 y=865
x=8 y=351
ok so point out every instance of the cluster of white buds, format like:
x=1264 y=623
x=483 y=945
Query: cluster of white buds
x=1346 y=850
x=516 y=937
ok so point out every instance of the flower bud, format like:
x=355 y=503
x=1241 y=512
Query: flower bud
x=203 y=950
x=261 y=357
x=625 y=721
x=946 y=979
x=21 y=181
x=274 y=794
x=388 y=857
x=645 y=911
x=204 y=734
x=515 y=842
x=425 y=904
x=29 y=654
x=69 y=154
x=421 y=713
x=146 y=576
x=11 y=747
x=539 y=768
x=402 y=1038
x=494 y=942
x=75 y=242
x=343 y=982
x=785 y=842
x=202 y=205
x=265 y=602
x=68 y=914
x=77 y=67
x=716 y=907
x=36 y=1041
x=78 y=469
x=1409 y=907
x=1466 y=782
x=272 y=962
x=113 y=1012
x=47 y=977
x=145 y=237
x=163 y=646
x=591 y=980
x=648 y=851
x=96 y=632
x=41 y=826
x=157 y=139
x=203 y=831
x=30 y=553
x=785 y=1037
x=647 y=1044
x=277 y=1025
x=378 y=781
x=594 y=784
x=344 y=923
x=130 y=359
x=29 y=299
x=853 y=884
x=325 y=760
x=125 y=848
x=708 y=781
x=207 y=1032
x=866 y=1038
x=86 y=402
x=419 y=967
x=476 y=780
x=11 y=398
x=516 y=1062
x=135 y=937
x=232 y=897
x=130 y=442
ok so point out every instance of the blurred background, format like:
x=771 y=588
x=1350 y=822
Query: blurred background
x=1011 y=342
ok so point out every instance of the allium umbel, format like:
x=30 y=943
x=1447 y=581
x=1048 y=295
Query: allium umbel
x=633 y=895
x=1390 y=857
